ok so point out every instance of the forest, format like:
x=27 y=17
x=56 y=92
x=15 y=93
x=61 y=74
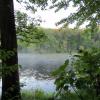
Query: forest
x=39 y=63
x=64 y=40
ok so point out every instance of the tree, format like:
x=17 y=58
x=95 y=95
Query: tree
x=8 y=52
x=10 y=75
x=87 y=10
x=28 y=29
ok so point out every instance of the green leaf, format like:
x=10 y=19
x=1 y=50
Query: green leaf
x=60 y=69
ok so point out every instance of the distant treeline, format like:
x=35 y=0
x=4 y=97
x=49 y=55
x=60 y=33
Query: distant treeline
x=63 y=40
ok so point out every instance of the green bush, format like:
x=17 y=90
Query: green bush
x=80 y=76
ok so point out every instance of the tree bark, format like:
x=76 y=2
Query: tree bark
x=10 y=74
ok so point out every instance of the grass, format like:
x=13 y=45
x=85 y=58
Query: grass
x=41 y=95
x=36 y=95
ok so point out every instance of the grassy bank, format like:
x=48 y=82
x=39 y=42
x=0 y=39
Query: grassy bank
x=41 y=95
x=36 y=95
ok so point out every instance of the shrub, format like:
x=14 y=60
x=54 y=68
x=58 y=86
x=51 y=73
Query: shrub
x=81 y=76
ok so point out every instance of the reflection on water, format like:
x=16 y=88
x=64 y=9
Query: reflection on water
x=36 y=68
x=31 y=83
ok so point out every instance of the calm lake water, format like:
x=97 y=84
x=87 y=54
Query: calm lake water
x=35 y=70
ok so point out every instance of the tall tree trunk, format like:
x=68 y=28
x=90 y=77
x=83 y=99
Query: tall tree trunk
x=10 y=75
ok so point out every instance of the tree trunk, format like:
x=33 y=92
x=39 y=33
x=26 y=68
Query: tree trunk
x=10 y=75
x=98 y=86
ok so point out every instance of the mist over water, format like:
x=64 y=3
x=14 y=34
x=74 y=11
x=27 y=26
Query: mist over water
x=36 y=68
x=41 y=62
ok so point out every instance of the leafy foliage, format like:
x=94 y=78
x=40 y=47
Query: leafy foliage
x=81 y=76
x=27 y=29
x=87 y=10
x=4 y=55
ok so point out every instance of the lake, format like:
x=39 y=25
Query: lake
x=36 y=68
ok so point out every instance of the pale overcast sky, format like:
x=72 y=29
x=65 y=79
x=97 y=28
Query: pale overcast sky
x=49 y=16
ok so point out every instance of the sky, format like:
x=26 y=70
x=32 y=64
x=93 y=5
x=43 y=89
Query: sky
x=49 y=17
